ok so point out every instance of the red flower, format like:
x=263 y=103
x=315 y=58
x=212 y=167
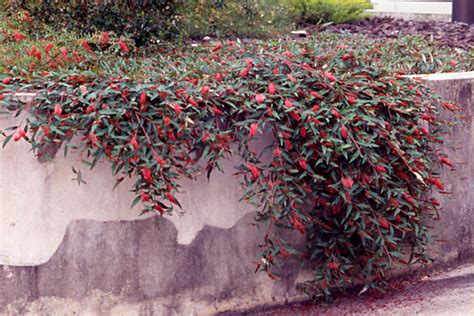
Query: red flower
x=445 y=161
x=437 y=182
x=394 y=202
x=384 y=223
x=159 y=209
x=330 y=76
x=217 y=111
x=123 y=47
x=302 y=163
x=255 y=173
x=260 y=98
x=106 y=37
x=380 y=168
x=19 y=135
x=351 y=99
x=90 y=109
x=63 y=52
x=93 y=139
x=134 y=143
x=193 y=103
x=7 y=80
x=303 y=132
x=146 y=172
x=335 y=113
x=347 y=182
x=316 y=95
x=244 y=73
x=408 y=198
x=288 y=54
x=277 y=152
x=205 y=90
x=334 y=265
x=177 y=108
x=296 y=222
x=145 y=197
x=271 y=88
x=288 y=103
x=427 y=117
x=142 y=99
x=19 y=37
x=48 y=48
x=87 y=47
x=167 y=121
x=253 y=129
x=344 y=132
x=171 y=198
x=57 y=110
x=295 y=115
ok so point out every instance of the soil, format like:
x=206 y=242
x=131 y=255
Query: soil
x=456 y=35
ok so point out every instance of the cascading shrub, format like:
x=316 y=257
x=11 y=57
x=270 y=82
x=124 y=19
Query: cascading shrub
x=349 y=167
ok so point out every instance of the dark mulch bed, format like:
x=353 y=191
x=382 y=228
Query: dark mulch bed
x=458 y=35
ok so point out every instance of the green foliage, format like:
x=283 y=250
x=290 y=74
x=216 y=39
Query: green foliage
x=337 y=11
x=24 y=53
x=348 y=164
x=149 y=21
x=143 y=21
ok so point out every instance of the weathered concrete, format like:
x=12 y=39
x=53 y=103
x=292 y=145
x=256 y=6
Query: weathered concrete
x=457 y=216
x=140 y=263
x=67 y=248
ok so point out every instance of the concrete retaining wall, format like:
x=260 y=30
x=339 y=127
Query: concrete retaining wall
x=66 y=248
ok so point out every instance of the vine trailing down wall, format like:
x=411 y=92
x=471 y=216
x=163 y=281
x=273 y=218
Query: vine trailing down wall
x=350 y=166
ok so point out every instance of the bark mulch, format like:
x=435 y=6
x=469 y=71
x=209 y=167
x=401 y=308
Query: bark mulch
x=456 y=35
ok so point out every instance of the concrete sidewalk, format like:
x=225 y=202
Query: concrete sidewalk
x=439 y=293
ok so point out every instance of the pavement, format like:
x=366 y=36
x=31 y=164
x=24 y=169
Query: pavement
x=448 y=292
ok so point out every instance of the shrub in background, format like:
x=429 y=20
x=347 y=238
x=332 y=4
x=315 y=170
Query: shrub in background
x=146 y=21
x=337 y=11
x=143 y=21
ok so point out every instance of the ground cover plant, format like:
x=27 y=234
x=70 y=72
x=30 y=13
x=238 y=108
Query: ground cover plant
x=350 y=162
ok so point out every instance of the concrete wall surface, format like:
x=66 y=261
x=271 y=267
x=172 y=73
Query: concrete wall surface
x=421 y=10
x=67 y=249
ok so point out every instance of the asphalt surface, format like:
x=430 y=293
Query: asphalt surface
x=448 y=292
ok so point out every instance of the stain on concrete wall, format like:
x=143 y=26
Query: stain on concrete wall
x=141 y=261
